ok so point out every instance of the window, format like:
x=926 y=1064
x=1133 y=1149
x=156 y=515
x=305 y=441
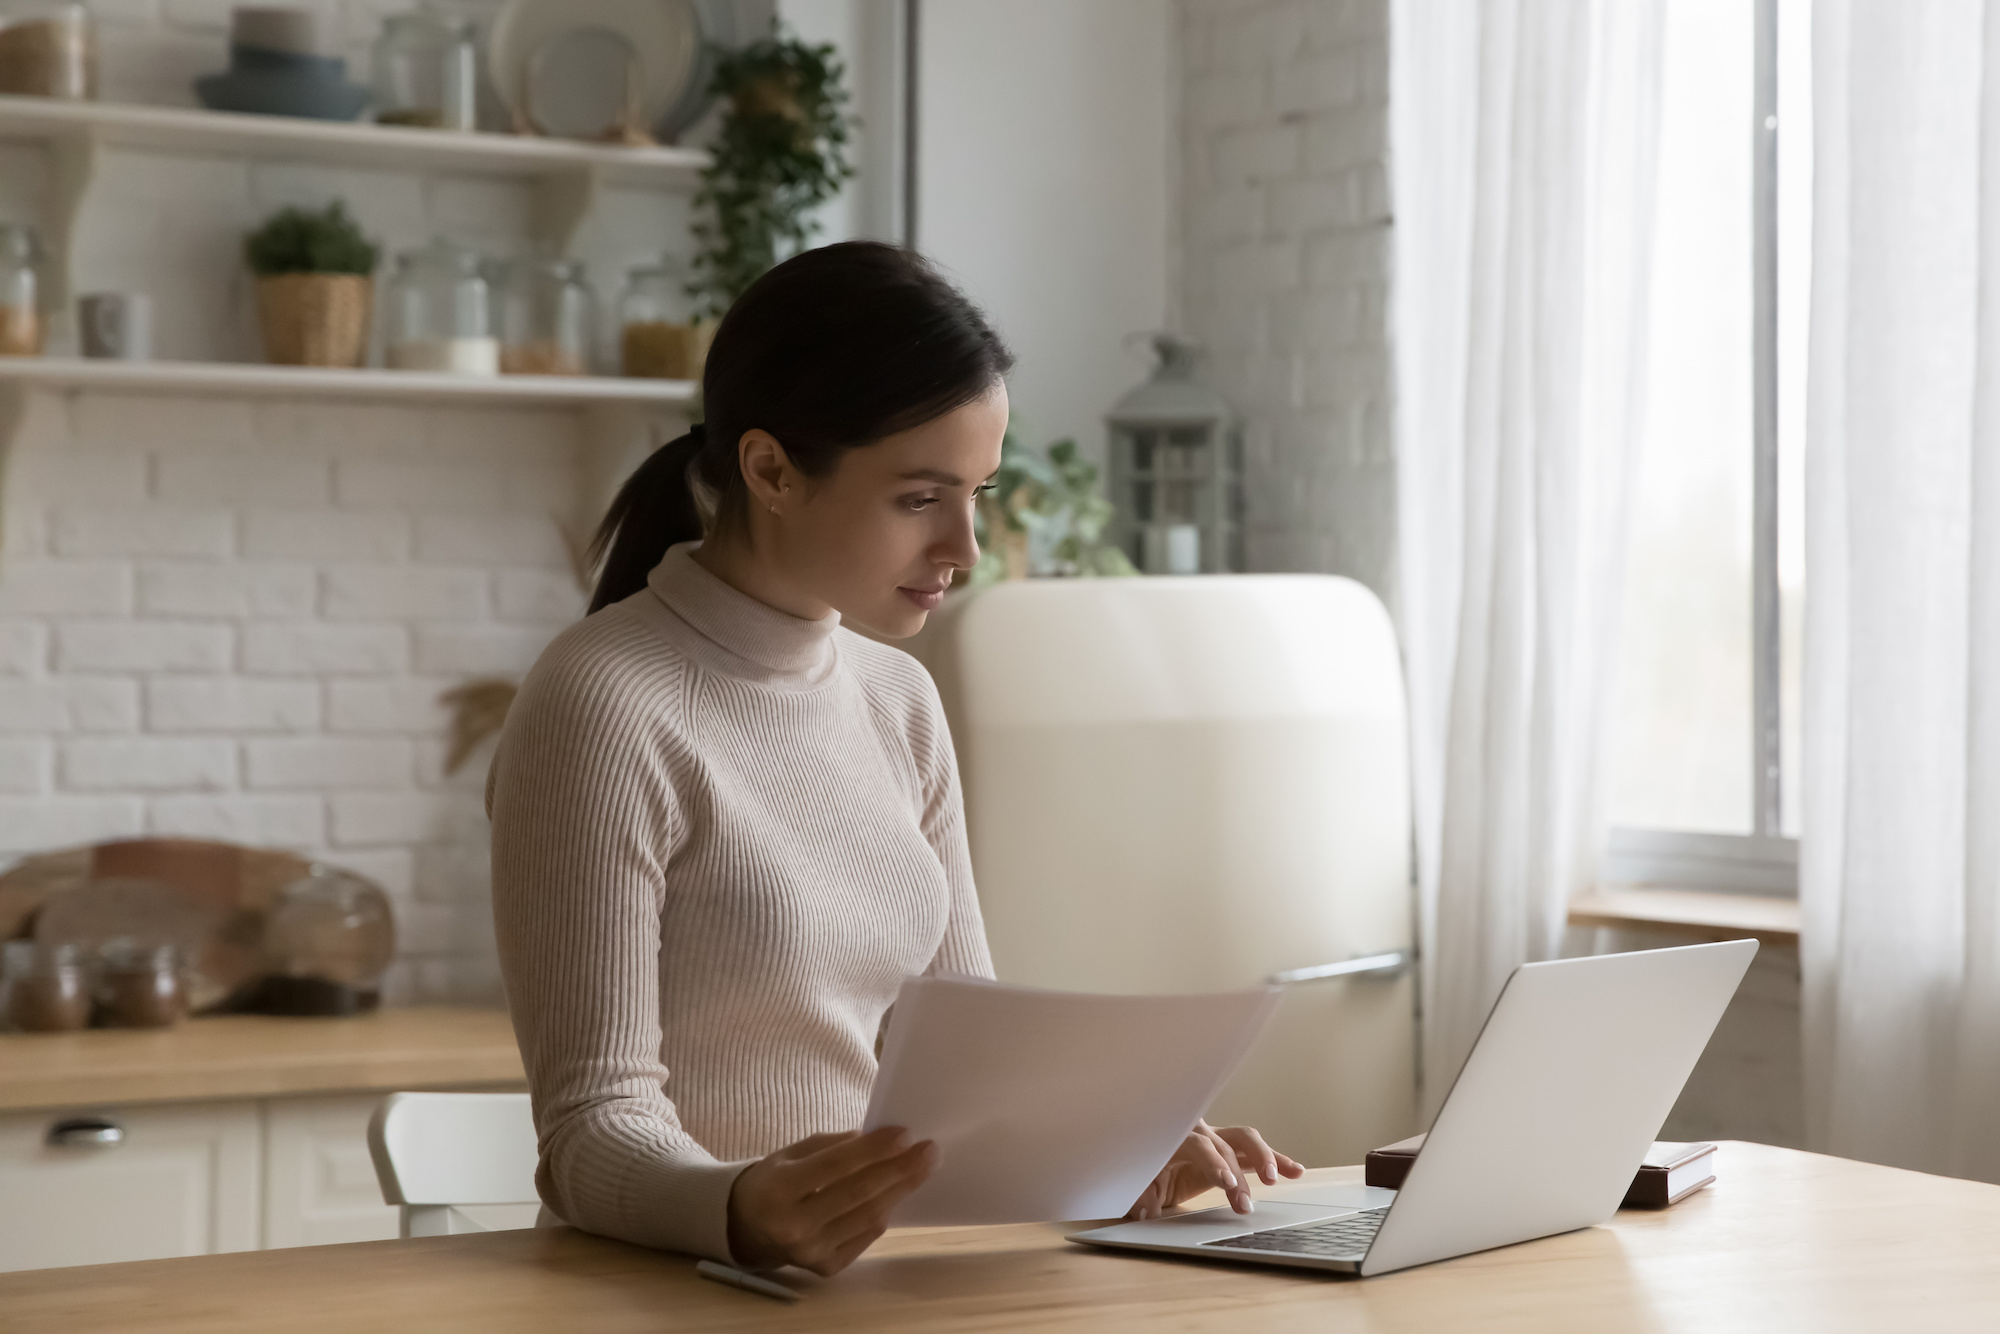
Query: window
x=1704 y=720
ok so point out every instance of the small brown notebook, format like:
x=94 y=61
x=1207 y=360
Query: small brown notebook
x=1669 y=1174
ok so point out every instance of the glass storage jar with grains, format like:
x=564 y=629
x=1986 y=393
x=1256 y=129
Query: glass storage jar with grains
x=546 y=313
x=47 y=988
x=20 y=291
x=658 y=336
x=439 y=313
x=47 y=50
x=139 y=985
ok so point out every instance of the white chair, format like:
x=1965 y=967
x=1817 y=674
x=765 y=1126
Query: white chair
x=437 y=1152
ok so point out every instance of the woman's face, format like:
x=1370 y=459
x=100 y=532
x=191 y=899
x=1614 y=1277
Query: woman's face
x=879 y=538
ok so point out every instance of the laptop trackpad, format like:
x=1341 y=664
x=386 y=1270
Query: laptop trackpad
x=1213 y=1224
x=1334 y=1194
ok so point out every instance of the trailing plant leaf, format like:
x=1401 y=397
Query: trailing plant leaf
x=781 y=153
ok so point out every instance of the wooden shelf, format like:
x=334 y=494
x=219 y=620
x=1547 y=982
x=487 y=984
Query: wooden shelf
x=1692 y=913
x=311 y=382
x=346 y=143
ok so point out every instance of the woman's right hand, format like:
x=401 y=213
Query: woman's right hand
x=821 y=1202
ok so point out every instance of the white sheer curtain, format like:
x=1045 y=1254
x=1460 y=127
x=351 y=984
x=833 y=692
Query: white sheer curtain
x=1523 y=136
x=1900 y=863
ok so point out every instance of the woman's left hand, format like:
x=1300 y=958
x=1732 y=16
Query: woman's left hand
x=1209 y=1159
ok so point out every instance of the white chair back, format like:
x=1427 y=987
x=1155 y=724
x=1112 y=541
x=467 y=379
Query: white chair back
x=435 y=1152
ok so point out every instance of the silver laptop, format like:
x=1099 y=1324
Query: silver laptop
x=1577 y=1067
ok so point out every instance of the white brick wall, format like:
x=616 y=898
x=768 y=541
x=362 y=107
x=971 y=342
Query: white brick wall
x=204 y=632
x=232 y=618
x=1284 y=220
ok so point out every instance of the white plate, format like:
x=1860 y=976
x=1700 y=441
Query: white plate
x=665 y=33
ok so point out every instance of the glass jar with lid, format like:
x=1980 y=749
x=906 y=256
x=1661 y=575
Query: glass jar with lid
x=658 y=336
x=139 y=984
x=327 y=944
x=546 y=314
x=425 y=72
x=21 y=328
x=47 y=988
x=439 y=312
x=47 y=49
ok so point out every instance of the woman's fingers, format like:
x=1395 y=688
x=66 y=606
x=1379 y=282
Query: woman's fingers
x=1233 y=1182
x=1251 y=1145
x=812 y=1144
x=837 y=1241
x=1252 y=1152
x=820 y=1168
x=896 y=1177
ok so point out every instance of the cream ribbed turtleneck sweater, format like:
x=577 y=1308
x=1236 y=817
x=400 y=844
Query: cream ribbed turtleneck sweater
x=722 y=837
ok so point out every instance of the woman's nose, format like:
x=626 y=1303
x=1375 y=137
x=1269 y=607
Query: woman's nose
x=960 y=547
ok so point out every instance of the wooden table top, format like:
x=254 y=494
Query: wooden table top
x=254 y=1056
x=1784 y=1240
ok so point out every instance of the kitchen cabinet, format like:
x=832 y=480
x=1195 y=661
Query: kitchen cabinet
x=319 y=1183
x=228 y=1134
x=129 y=1183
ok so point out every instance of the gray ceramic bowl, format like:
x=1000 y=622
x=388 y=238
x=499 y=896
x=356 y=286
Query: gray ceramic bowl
x=269 y=93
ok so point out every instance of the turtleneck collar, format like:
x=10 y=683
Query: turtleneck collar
x=754 y=641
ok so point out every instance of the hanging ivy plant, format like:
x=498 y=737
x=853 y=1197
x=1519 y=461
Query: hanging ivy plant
x=781 y=153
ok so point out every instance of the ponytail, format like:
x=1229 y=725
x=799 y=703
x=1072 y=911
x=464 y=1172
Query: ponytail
x=654 y=510
x=832 y=350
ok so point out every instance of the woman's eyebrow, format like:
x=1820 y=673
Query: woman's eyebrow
x=932 y=475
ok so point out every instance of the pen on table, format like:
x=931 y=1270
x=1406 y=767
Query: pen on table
x=736 y=1278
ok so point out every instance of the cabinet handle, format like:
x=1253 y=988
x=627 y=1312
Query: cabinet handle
x=1377 y=965
x=85 y=1132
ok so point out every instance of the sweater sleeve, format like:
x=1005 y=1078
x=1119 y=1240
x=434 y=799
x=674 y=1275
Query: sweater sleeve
x=583 y=818
x=963 y=949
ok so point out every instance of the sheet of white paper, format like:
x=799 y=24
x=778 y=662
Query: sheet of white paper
x=1049 y=1105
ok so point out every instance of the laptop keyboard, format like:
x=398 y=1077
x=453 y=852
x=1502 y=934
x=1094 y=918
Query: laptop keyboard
x=1343 y=1238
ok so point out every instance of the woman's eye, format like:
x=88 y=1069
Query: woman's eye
x=920 y=502
x=983 y=488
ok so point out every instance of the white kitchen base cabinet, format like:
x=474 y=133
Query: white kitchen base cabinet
x=195 y=1178
x=319 y=1183
x=181 y=1179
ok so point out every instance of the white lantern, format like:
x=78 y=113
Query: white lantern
x=1177 y=470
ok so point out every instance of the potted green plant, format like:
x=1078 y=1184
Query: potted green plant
x=781 y=152
x=1044 y=517
x=315 y=280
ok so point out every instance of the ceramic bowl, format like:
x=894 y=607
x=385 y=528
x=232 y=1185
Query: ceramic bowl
x=269 y=93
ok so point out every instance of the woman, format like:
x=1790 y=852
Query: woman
x=725 y=829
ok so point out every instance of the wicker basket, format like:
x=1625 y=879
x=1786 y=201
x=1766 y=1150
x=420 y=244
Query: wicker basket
x=314 y=319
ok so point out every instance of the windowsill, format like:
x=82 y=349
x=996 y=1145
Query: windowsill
x=1692 y=913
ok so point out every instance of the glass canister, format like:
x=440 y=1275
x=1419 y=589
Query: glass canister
x=439 y=316
x=546 y=314
x=658 y=337
x=326 y=945
x=48 y=990
x=425 y=72
x=47 y=50
x=21 y=328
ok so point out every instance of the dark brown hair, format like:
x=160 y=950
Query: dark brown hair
x=833 y=349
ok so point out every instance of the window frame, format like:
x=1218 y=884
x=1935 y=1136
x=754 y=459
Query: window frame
x=1763 y=862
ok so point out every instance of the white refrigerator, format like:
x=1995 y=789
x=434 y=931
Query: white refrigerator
x=1198 y=784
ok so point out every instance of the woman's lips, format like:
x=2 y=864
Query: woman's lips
x=927 y=599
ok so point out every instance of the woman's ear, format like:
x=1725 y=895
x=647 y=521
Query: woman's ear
x=767 y=470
